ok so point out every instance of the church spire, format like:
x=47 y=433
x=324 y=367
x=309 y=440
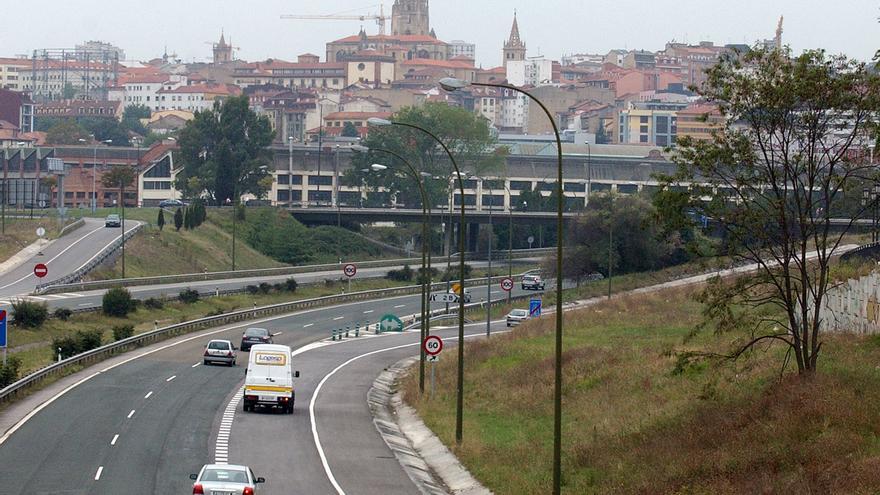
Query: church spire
x=514 y=48
x=514 y=39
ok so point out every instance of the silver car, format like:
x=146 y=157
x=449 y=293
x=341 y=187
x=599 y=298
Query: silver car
x=225 y=479
x=112 y=221
x=220 y=351
x=517 y=316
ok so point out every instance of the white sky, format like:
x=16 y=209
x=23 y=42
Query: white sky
x=549 y=27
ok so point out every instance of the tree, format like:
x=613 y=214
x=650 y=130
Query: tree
x=65 y=131
x=223 y=150
x=349 y=130
x=188 y=218
x=161 y=220
x=466 y=135
x=104 y=129
x=131 y=118
x=118 y=176
x=794 y=140
x=68 y=92
x=178 y=220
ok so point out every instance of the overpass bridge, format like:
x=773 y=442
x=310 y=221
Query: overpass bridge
x=497 y=216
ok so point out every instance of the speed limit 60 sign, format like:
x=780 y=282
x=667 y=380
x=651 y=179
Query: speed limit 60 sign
x=349 y=270
x=432 y=345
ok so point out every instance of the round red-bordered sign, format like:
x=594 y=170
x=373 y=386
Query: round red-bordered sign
x=507 y=284
x=350 y=270
x=432 y=345
x=41 y=270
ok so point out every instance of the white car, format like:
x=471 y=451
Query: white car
x=517 y=316
x=532 y=282
x=225 y=479
x=220 y=351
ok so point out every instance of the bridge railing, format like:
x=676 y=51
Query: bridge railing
x=99 y=354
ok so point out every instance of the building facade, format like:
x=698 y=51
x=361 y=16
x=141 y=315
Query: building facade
x=410 y=17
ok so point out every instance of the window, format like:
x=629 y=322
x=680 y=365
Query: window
x=323 y=180
x=643 y=119
x=643 y=138
x=283 y=179
x=520 y=185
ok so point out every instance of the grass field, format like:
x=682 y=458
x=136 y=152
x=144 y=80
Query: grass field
x=632 y=424
x=20 y=232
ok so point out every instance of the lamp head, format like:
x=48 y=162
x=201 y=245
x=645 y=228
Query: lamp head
x=453 y=84
x=378 y=121
x=378 y=167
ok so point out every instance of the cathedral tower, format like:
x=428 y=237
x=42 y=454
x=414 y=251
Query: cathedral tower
x=514 y=48
x=410 y=17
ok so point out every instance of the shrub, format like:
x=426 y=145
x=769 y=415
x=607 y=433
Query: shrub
x=215 y=312
x=422 y=278
x=453 y=273
x=265 y=288
x=189 y=296
x=117 y=302
x=252 y=289
x=405 y=274
x=9 y=371
x=89 y=339
x=81 y=341
x=290 y=285
x=123 y=332
x=279 y=287
x=154 y=303
x=65 y=345
x=29 y=314
x=63 y=314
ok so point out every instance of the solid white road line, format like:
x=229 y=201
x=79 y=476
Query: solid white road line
x=115 y=438
x=98 y=474
x=172 y=377
x=130 y=414
x=148 y=394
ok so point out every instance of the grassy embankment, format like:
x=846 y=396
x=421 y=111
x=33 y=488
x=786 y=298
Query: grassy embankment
x=632 y=423
x=20 y=232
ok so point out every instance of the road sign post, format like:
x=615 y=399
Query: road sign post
x=40 y=270
x=507 y=284
x=3 y=333
x=432 y=345
x=350 y=270
x=40 y=233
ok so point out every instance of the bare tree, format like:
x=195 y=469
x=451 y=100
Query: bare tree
x=794 y=143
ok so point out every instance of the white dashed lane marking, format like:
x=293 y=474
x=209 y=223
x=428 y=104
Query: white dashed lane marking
x=148 y=394
x=130 y=414
x=115 y=438
x=221 y=446
x=98 y=474
x=172 y=377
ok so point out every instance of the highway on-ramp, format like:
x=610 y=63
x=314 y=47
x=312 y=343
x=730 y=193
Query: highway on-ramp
x=142 y=422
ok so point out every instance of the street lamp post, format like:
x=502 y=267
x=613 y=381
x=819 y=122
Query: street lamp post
x=460 y=384
x=426 y=249
x=289 y=171
x=453 y=84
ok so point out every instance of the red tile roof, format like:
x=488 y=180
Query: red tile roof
x=356 y=115
x=403 y=38
x=227 y=89
x=449 y=64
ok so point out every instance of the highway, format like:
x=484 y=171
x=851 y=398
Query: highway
x=142 y=422
x=62 y=257
x=92 y=299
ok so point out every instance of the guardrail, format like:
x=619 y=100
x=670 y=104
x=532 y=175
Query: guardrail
x=80 y=272
x=64 y=284
x=79 y=222
x=140 y=340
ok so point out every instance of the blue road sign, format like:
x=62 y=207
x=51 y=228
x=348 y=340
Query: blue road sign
x=534 y=308
x=2 y=328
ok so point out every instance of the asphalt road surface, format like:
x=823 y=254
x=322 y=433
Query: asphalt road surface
x=144 y=421
x=62 y=257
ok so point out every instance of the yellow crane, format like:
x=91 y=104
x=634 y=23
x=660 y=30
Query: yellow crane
x=380 y=18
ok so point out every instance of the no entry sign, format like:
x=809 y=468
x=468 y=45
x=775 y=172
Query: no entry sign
x=40 y=270
x=507 y=284
x=432 y=345
x=350 y=270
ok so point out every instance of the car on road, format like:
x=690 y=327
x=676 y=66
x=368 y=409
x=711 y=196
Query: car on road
x=220 y=351
x=171 y=203
x=112 y=221
x=253 y=336
x=517 y=316
x=225 y=479
x=532 y=282
x=268 y=380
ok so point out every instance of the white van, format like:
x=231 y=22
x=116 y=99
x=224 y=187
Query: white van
x=269 y=379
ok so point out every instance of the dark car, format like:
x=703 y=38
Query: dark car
x=112 y=221
x=253 y=336
x=171 y=203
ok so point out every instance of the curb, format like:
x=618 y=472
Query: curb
x=424 y=458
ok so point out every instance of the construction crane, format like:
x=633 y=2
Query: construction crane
x=380 y=18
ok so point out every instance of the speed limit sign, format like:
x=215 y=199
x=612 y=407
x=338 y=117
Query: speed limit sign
x=349 y=270
x=432 y=345
x=507 y=284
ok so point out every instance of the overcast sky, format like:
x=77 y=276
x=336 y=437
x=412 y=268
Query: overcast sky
x=549 y=27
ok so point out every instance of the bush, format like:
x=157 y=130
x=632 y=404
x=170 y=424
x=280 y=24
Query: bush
x=265 y=288
x=189 y=296
x=290 y=284
x=405 y=274
x=252 y=289
x=215 y=312
x=123 y=332
x=453 y=274
x=28 y=314
x=154 y=303
x=9 y=371
x=81 y=341
x=63 y=314
x=117 y=302
x=422 y=272
x=279 y=287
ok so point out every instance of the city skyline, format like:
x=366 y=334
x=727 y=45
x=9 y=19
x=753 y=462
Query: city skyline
x=186 y=28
